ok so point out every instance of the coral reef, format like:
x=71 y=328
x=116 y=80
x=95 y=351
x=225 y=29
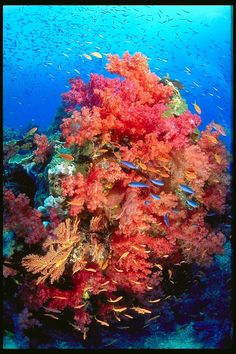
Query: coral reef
x=131 y=184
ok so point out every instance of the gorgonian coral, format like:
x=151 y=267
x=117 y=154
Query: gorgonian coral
x=139 y=194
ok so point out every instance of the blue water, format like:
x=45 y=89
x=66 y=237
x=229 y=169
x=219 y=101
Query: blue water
x=191 y=43
x=43 y=48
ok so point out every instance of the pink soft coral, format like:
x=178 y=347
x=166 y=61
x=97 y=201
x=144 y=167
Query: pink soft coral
x=44 y=149
x=23 y=220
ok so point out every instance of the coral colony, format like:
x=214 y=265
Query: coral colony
x=130 y=182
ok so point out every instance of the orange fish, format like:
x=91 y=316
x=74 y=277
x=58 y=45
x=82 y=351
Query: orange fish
x=87 y=56
x=154 y=301
x=124 y=255
x=103 y=323
x=128 y=316
x=150 y=169
x=190 y=175
x=75 y=202
x=67 y=157
x=143 y=166
x=32 y=131
x=166 y=168
x=163 y=159
x=90 y=270
x=105 y=264
x=211 y=138
x=197 y=108
x=116 y=300
x=119 y=309
x=140 y=310
x=119 y=270
x=219 y=128
x=102 y=151
x=218 y=158
x=165 y=175
x=52 y=316
x=158 y=266
x=135 y=282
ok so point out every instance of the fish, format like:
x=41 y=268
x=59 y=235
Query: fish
x=154 y=301
x=51 y=310
x=211 y=213
x=87 y=56
x=143 y=166
x=115 y=300
x=192 y=203
x=156 y=197
x=158 y=266
x=129 y=164
x=96 y=54
x=190 y=175
x=67 y=157
x=211 y=138
x=103 y=323
x=90 y=270
x=128 y=316
x=153 y=318
x=102 y=151
x=79 y=306
x=124 y=255
x=163 y=174
x=114 y=341
x=147 y=202
x=177 y=84
x=49 y=315
x=119 y=270
x=135 y=282
x=31 y=131
x=186 y=189
x=197 y=108
x=166 y=219
x=75 y=202
x=219 y=127
x=163 y=159
x=140 y=310
x=157 y=182
x=119 y=309
x=138 y=185
x=218 y=158
x=176 y=211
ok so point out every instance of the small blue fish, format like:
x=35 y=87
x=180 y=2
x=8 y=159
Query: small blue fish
x=176 y=211
x=157 y=182
x=166 y=220
x=138 y=185
x=186 y=189
x=147 y=202
x=156 y=197
x=129 y=164
x=192 y=203
x=211 y=213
